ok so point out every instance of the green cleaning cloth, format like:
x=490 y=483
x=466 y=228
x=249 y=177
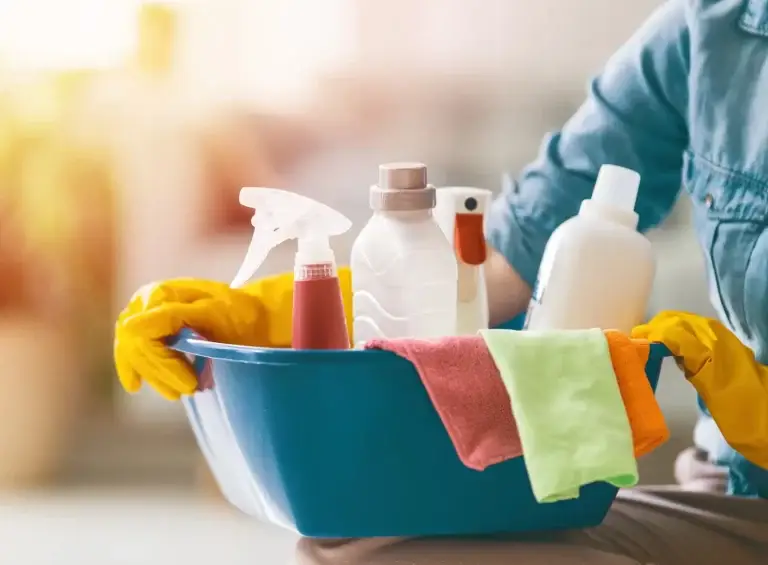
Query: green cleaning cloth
x=573 y=426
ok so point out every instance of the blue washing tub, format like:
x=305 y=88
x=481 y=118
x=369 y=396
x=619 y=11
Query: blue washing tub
x=347 y=444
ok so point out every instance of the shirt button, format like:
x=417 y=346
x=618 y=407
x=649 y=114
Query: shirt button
x=709 y=200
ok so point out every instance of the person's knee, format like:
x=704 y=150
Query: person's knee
x=694 y=472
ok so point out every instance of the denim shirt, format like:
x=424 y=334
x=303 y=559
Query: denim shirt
x=685 y=103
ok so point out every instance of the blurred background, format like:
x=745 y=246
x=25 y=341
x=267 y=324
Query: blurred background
x=127 y=129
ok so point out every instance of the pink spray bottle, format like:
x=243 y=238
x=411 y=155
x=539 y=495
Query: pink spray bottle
x=318 y=309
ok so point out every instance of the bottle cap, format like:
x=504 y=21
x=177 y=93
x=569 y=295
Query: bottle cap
x=314 y=250
x=616 y=187
x=402 y=187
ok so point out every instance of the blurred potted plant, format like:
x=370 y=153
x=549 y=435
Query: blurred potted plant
x=47 y=297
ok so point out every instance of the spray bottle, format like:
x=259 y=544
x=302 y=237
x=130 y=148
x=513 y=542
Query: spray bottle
x=460 y=212
x=318 y=309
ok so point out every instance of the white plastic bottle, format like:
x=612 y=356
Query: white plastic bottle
x=404 y=271
x=597 y=270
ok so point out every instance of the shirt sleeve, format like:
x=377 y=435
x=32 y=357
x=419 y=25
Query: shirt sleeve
x=634 y=116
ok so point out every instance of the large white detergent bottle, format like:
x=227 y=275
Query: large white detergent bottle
x=404 y=271
x=597 y=270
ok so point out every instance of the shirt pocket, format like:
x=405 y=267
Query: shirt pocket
x=731 y=217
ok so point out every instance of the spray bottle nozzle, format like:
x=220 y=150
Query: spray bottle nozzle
x=280 y=215
x=314 y=246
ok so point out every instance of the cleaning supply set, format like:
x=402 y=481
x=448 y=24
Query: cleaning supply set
x=417 y=265
x=333 y=442
x=414 y=275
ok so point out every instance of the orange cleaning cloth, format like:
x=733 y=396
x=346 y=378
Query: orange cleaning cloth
x=629 y=356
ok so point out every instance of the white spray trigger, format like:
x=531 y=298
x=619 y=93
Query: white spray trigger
x=280 y=215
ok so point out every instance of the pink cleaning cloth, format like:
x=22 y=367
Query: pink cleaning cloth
x=467 y=391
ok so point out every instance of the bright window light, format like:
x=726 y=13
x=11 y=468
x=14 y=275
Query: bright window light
x=66 y=34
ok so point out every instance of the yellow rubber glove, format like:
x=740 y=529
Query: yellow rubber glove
x=258 y=314
x=733 y=385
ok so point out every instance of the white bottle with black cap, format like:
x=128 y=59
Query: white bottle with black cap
x=404 y=271
x=597 y=270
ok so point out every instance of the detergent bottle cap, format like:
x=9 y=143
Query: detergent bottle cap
x=615 y=195
x=402 y=187
x=280 y=215
x=616 y=187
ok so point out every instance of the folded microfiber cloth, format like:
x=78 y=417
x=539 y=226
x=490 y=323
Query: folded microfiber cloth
x=566 y=401
x=464 y=385
x=629 y=356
